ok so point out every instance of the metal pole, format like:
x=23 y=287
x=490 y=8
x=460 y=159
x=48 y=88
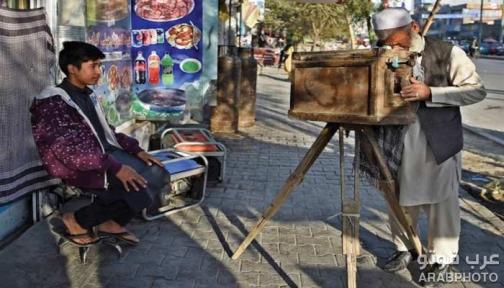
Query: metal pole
x=501 y=39
x=23 y=4
x=480 y=33
x=230 y=41
x=241 y=21
x=237 y=24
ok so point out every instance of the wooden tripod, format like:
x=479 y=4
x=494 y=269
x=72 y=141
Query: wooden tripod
x=350 y=207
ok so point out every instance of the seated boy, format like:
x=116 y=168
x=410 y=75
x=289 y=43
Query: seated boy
x=77 y=145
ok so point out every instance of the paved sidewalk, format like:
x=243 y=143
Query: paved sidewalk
x=300 y=247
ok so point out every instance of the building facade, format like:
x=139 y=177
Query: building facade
x=461 y=19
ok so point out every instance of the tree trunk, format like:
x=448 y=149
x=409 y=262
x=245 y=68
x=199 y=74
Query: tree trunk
x=350 y=31
x=315 y=35
x=316 y=41
x=369 y=26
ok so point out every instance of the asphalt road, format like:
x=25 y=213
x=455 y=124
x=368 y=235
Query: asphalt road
x=489 y=113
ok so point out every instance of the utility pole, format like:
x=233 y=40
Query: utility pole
x=480 y=34
x=230 y=35
x=502 y=23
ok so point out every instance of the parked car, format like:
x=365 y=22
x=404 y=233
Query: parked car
x=490 y=48
x=267 y=56
x=486 y=49
x=500 y=49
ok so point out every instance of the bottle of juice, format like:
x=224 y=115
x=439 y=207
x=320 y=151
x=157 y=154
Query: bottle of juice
x=140 y=69
x=167 y=75
x=153 y=63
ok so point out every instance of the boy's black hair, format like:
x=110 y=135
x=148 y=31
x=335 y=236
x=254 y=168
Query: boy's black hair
x=75 y=53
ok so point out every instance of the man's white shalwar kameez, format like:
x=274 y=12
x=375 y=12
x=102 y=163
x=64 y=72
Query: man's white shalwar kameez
x=425 y=185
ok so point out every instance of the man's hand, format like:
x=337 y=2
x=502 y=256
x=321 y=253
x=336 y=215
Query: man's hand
x=128 y=176
x=416 y=91
x=149 y=159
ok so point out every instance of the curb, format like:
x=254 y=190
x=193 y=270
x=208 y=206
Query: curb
x=479 y=209
x=486 y=135
x=490 y=57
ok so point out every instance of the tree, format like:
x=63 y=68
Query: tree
x=281 y=14
x=318 y=21
x=321 y=17
x=357 y=11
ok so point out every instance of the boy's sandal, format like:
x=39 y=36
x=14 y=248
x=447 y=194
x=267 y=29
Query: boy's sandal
x=71 y=238
x=121 y=236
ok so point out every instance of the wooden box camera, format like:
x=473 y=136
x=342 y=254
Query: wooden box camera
x=351 y=87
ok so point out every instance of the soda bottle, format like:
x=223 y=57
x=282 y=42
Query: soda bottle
x=140 y=69
x=153 y=68
x=137 y=38
x=167 y=76
x=146 y=37
x=153 y=37
x=160 y=36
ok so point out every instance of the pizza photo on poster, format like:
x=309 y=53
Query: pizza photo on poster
x=166 y=53
x=159 y=10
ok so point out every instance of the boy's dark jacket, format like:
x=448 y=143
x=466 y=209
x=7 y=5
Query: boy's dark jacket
x=68 y=144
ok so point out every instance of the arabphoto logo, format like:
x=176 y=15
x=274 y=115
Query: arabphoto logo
x=478 y=273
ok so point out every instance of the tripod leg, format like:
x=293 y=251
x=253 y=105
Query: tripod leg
x=350 y=208
x=292 y=182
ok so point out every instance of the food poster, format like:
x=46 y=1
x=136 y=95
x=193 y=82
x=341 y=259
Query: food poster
x=166 y=57
x=108 y=28
x=114 y=91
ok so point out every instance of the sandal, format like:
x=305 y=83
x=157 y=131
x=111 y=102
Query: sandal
x=121 y=236
x=72 y=237
x=65 y=233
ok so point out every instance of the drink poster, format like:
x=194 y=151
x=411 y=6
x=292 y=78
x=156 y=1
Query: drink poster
x=166 y=55
x=108 y=28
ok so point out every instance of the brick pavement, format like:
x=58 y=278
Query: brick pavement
x=300 y=247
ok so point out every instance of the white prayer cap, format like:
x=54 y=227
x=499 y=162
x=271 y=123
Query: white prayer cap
x=391 y=18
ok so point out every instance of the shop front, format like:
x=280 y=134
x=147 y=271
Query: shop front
x=160 y=67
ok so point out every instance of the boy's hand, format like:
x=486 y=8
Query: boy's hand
x=149 y=159
x=128 y=176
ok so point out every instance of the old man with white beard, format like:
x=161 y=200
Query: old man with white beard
x=429 y=170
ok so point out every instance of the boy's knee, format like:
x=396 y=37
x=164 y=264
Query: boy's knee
x=156 y=176
x=144 y=201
